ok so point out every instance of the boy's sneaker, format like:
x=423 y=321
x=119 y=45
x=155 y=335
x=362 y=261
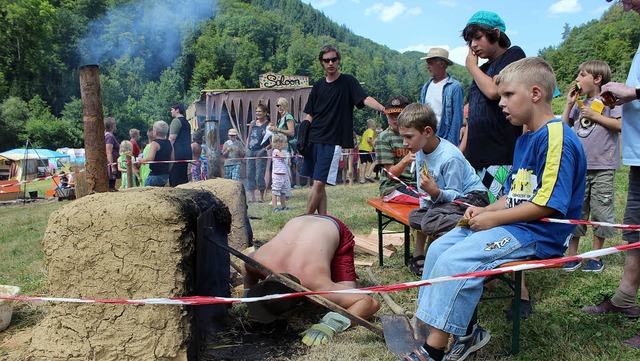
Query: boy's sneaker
x=285 y=208
x=593 y=266
x=276 y=210
x=466 y=345
x=571 y=266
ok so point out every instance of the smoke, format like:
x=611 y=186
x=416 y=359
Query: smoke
x=150 y=29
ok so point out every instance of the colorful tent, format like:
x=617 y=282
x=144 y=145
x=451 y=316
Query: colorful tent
x=26 y=162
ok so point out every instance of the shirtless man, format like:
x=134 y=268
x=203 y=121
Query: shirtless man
x=318 y=250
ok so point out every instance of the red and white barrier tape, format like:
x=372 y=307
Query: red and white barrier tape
x=203 y=300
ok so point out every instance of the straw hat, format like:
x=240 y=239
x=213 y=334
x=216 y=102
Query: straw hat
x=438 y=53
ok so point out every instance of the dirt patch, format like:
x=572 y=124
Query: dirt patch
x=245 y=339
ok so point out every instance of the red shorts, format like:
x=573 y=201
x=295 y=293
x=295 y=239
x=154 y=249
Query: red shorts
x=342 y=264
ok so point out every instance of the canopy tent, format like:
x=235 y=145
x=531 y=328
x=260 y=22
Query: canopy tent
x=25 y=162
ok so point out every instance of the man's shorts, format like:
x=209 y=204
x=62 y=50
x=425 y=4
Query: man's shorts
x=322 y=162
x=632 y=211
x=342 y=264
x=366 y=158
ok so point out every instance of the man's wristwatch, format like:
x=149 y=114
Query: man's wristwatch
x=638 y=91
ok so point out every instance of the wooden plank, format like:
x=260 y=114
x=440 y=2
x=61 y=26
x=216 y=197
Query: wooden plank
x=396 y=239
x=367 y=246
x=363 y=263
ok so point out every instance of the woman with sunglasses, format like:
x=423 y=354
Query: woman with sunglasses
x=257 y=154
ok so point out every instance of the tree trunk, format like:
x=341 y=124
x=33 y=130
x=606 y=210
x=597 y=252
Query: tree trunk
x=93 y=120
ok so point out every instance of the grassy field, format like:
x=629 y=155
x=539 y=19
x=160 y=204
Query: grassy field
x=557 y=329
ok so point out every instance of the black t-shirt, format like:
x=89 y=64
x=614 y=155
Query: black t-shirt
x=182 y=144
x=331 y=105
x=491 y=138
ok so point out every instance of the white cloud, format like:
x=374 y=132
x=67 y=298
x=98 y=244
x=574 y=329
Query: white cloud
x=388 y=14
x=565 y=6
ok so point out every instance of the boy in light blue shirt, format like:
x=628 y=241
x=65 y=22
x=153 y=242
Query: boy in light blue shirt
x=443 y=175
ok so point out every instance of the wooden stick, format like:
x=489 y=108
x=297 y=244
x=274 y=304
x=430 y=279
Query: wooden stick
x=299 y=288
x=395 y=308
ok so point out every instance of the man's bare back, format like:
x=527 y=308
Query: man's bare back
x=305 y=248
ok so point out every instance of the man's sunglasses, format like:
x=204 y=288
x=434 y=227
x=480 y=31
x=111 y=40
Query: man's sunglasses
x=330 y=60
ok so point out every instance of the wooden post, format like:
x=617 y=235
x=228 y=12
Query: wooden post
x=130 y=160
x=214 y=164
x=93 y=120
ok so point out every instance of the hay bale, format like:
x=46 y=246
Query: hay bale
x=131 y=244
x=233 y=195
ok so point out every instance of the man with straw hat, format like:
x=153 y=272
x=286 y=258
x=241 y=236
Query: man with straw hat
x=444 y=95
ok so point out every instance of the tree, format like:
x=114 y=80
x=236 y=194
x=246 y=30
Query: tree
x=13 y=116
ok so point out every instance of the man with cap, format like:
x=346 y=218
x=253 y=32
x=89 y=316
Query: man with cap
x=234 y=151
x=444 y=95
x=491 y=138
x=395 y=157
x=317 y=250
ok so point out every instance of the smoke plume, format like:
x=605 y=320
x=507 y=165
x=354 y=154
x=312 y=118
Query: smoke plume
x=150 y=29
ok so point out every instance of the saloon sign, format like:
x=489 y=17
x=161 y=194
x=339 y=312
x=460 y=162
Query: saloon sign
x=272 y=80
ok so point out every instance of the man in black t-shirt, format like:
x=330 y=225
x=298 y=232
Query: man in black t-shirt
x=180 y=138
x=330 y=111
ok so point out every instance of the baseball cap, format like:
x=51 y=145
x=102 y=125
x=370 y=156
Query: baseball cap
x=232 y=132
x=488 y=18
x=395 y=104
x=270 y=310
x=438 y=53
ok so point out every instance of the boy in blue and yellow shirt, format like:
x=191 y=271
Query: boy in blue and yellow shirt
x=547 y=180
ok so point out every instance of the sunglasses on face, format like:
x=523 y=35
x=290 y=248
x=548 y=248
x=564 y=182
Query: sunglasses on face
x=278 y=105
x=330 y=60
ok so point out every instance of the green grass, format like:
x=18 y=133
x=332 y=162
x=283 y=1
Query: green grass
x=557 y=329
x=21 y=258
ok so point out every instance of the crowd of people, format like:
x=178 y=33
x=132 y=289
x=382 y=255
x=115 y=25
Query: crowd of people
x=499 y=164
x=505 y=157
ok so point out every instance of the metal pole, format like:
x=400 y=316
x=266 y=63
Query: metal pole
x=93 y=120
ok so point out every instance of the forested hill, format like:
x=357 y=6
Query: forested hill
x=154 y=52
x=614 y=39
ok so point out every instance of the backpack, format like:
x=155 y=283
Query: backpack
x=293 y=141
x=303 y=136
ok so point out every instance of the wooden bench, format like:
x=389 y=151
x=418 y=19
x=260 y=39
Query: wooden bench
x=388 y=213
x=399 y=213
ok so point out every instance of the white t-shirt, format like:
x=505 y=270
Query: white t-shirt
x=434 y=97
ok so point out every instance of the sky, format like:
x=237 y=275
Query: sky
x=405 y=25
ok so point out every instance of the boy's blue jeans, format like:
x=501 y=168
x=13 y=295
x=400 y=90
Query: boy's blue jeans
x=449 y=306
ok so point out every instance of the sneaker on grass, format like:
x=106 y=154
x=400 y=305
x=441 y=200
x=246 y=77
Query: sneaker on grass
x=571 y=266
x=466 y=345
x=593 y=266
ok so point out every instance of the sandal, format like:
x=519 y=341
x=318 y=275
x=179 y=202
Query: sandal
x=416 y=267
x=419 y=354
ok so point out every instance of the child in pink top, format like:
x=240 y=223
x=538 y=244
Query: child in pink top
x=280 y=184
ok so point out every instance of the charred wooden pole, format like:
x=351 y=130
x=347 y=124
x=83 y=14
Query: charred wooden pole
x=214 y=163
x=93 y=121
